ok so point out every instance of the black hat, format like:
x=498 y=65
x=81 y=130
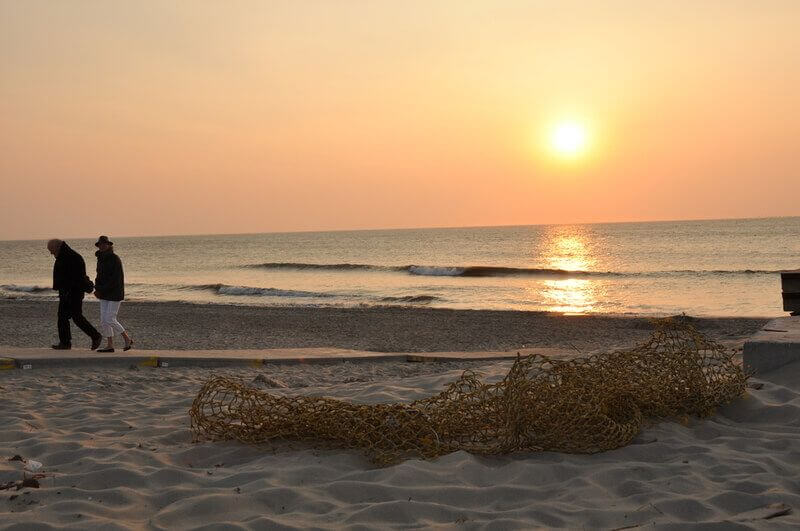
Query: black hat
x=103 y=239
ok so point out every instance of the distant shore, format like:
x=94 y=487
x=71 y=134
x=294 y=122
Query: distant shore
x=174 y=325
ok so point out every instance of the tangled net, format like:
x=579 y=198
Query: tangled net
x=583 y=405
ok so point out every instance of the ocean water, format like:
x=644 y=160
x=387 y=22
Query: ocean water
x=703 y=268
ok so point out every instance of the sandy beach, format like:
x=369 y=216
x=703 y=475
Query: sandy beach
x=118 y=453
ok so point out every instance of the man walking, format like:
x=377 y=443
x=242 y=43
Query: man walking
x=71 y=282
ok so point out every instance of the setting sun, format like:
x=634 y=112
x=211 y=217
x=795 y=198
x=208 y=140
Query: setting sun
x=569 y=139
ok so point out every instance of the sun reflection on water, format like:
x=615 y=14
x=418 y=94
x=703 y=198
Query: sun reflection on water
x=567 y=249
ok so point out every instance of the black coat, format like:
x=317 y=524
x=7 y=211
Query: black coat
x=110 y=282
x=69 y=270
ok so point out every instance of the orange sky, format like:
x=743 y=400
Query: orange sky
x=139 y=118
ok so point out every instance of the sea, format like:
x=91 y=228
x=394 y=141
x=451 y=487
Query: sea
x=700 y=268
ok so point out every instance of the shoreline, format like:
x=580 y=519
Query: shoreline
x=89 y=299
x=193 y=326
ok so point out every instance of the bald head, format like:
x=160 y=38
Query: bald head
x=54 y=245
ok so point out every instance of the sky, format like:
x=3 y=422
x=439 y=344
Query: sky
x=202 y=117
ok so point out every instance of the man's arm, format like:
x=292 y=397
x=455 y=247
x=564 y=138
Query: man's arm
x=77 y=272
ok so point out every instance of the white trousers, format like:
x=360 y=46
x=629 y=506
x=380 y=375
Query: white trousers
x=108 y=318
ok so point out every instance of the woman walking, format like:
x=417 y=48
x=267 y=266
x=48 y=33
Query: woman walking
x=109 y=287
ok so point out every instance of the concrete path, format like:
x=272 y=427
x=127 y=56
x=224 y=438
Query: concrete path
x=775 y=345
x=42 y=358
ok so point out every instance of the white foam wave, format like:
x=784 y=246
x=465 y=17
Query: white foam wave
x=412 y=298
x=271 y=292
x=433 y=271
x=225 y=289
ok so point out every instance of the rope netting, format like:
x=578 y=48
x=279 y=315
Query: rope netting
x=582 y=405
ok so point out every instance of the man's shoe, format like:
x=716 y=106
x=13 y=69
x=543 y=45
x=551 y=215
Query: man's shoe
x=61 y=346
x=96 y=342
x=105 y=350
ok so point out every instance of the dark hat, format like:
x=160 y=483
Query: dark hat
x=103 y=239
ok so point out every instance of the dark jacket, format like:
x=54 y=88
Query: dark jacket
x=110 y=282
x=69 y=270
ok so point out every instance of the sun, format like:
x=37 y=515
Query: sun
x=569 y=139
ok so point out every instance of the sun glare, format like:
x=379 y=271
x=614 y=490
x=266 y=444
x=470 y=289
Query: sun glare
x=569 y=139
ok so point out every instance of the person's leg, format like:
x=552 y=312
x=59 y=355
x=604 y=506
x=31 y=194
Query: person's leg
x=64 y=333
x=124 y=333
x=76 y=310
x=102 y=326
x=128 y=340
x=105 y=326
x=111 y=319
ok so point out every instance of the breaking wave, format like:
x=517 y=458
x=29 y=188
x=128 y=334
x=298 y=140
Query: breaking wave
x=334 y=267
x=412 y=299
x=24 y=289
x=224 y=289
x=497 y=271
x=492 y=271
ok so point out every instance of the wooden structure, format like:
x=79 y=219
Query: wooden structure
x=790 y=286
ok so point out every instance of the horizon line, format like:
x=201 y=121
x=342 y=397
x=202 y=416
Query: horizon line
x=446 y=227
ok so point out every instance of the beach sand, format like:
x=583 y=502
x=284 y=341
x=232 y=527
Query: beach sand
x=381 y=329
x=117 y=450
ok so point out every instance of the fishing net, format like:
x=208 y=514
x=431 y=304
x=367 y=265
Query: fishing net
x=582 y=405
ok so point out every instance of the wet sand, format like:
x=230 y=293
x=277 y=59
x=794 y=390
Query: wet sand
x=383 y=329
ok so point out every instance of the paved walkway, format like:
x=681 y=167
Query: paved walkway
x=42 y=358
x=775 y=345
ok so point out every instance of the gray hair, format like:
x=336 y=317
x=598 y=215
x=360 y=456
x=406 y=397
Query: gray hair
x=54 y=244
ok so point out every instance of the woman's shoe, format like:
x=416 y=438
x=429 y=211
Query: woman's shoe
x=129 y=345
x=107 y=349
x=61 y=346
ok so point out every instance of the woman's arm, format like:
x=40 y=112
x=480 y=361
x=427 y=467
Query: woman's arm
x=103 y=276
